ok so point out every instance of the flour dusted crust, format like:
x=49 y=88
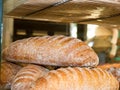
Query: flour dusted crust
x=27 y=76
x=51 y=50
x=76 y=79
x=7 y=73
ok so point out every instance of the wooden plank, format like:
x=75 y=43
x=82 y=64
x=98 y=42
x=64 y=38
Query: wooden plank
x=76 y=11
x=24 y=7
x=9 y=5
x=7 y=32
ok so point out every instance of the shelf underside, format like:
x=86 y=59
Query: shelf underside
x=69 y=11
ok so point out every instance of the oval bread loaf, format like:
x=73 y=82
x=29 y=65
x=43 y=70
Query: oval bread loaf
x=26 y=76
x=7 y=73
x=76 y=79
x=51 y=50
x=70 y=79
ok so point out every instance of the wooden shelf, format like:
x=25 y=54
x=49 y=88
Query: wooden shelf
x=76 y=11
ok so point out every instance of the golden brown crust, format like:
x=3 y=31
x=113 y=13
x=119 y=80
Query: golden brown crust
x=8 y=71
x=26 y=76
x=113 y=68
x=51 y=50
x=76 y=79
x=109 y=65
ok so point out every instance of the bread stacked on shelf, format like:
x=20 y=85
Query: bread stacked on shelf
x=78 y=59
x=70 y=78
x=51 y=50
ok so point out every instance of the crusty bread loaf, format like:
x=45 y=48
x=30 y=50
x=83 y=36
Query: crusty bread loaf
x=76 y=79
x=114 y=68
x=51 y=50
x=26 y=76
x=7 y=73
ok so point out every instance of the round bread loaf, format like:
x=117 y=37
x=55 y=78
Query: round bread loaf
x=51 y=50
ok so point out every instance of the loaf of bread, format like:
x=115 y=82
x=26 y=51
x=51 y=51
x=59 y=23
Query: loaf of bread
x=51 y=50
x=7 y=73
x=77 y=79
x=112 y=68
x=68 y=79
x=27 y=76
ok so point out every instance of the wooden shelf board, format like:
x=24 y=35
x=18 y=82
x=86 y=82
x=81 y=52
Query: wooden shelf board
x=77 y=11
